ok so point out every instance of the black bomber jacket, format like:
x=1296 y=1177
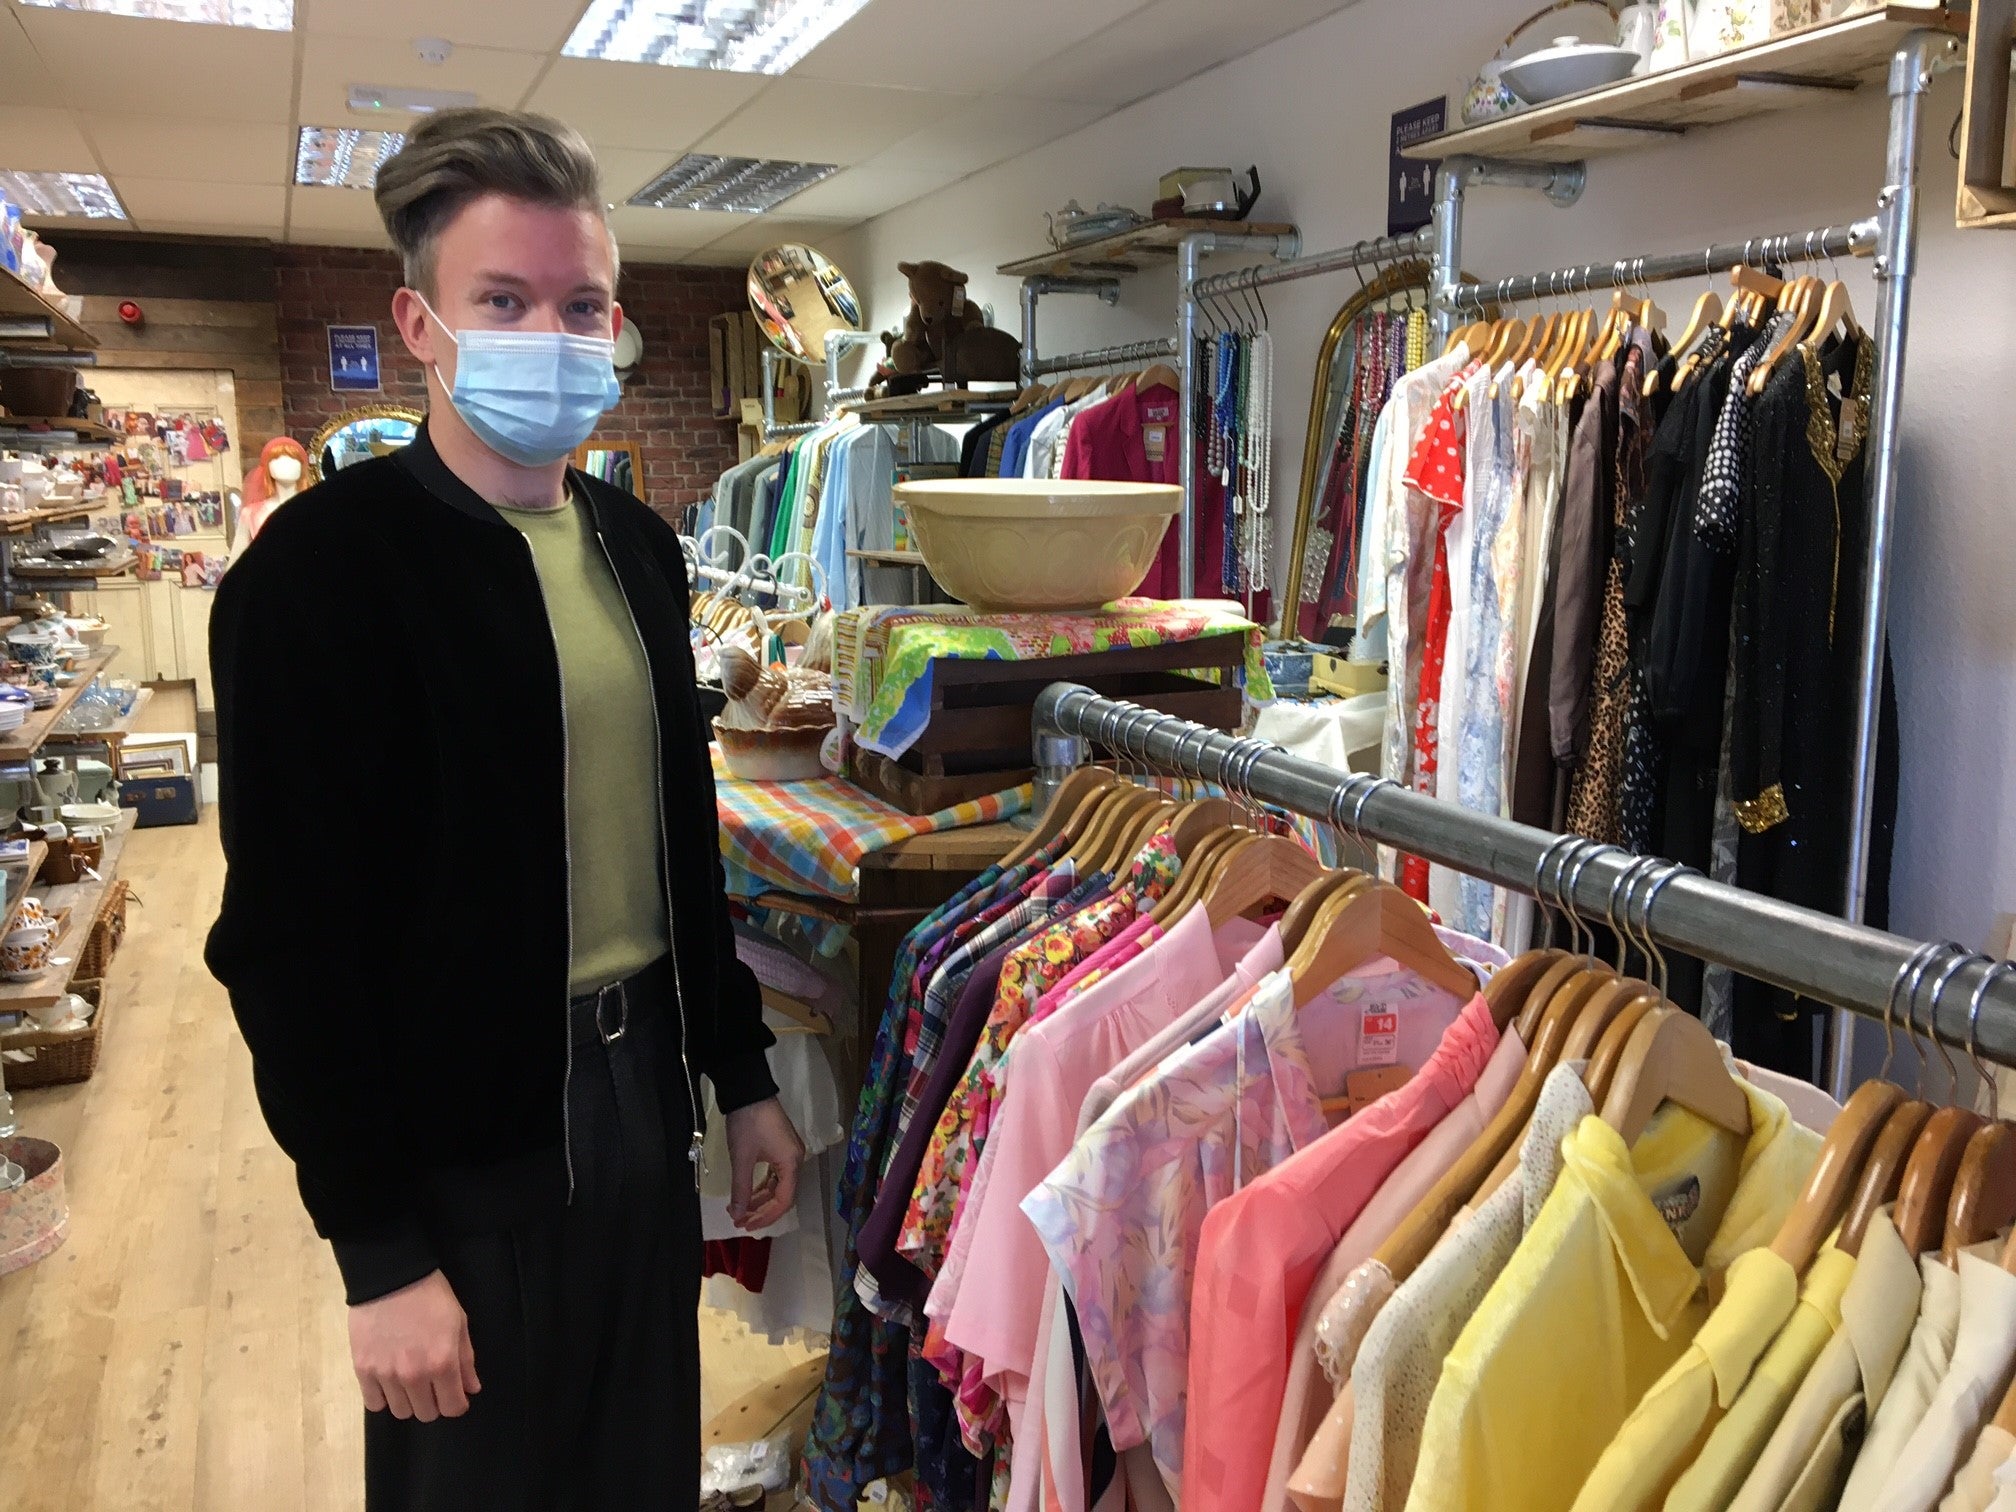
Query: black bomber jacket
x=391 y=747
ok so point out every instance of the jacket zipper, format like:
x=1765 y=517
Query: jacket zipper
x=567 y=855
x=665 y=870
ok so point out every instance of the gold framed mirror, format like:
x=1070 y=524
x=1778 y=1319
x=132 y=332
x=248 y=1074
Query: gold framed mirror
x=1327 y=399
x=365 y=431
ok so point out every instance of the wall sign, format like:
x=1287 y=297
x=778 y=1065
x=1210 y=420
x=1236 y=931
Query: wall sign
x=353 y=358
x=1410 y=182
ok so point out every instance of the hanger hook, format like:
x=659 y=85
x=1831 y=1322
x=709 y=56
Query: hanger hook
x=1960 y=959
x=1676 y=871
x=1911 y=1008
x=1540 y=880
x=1974 y=1034
x=1581 y=864
x=1372 y=785
x=1636 y=929
x=1575 y=854
x=1912 y=971
x=1626 y=878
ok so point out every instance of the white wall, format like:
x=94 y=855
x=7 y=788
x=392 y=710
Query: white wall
x=1312 y=110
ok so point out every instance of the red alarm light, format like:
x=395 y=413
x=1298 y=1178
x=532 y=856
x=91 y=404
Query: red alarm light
x=130 y=313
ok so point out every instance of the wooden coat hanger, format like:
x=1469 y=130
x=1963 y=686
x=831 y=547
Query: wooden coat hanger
x=1379 y=921
x=1152 y=818
x=802 y=1014
x=1092 y=835
x=1269 y=867
x=1707 y=310
x=1934 y=1166
x=1831 y=1184
x=1159 y=375
x=1198 y=820
x=1510 y=987
x=1310 y=902
x=1196 y=875
x=1881 y=1172
x=1609 y=1052
x=1799 y=302
x=1673 y=1058
x=1128 y=810
x=1984 y=1193
x=1065 y=803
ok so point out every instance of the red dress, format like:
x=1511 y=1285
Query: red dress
x=1436 y=469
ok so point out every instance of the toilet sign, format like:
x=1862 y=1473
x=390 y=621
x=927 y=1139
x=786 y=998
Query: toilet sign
x=1410 y=182
x=353 y=357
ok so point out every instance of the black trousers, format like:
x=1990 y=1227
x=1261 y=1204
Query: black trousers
x=584 y=1318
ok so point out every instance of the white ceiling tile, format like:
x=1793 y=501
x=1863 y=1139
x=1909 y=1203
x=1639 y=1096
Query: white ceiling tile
x=39 y=138
x=767 y=231
x=625 y=170
x=984 y=132
x=219 y=73
x=638 y=228
x=350 y=211
x=154 y=203
x=522 y=25
x=812 y=120
x=857 y=193
x=24 y=80
x=642 y=104
x=330 y=65
x=1165 y=43
x=969 y=47
x=217 y=152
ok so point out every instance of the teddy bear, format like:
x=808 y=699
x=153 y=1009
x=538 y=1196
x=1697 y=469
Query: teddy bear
x=945 y=331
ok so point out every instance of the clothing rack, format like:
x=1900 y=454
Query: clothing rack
x=1361 y=254
x=1108 y=356
x=1858 y=969
x=1891 y=237
x=1858 y=239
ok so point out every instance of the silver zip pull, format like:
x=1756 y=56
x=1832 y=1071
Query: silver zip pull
x=693 y=1151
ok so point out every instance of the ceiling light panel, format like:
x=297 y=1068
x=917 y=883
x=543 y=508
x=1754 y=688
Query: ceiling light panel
x=740 y=36
x=86 y=195
x=343 y=157
x=260 y=15
x=742 y=186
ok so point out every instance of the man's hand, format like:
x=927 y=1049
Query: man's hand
x=761 y=1134
x=412 y=1353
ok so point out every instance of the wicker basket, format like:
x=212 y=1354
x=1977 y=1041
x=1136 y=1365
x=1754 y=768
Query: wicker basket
x=61 y=1056
x=107 y=930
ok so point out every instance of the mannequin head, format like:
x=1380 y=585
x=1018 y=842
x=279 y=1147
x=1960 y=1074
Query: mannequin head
x=284 y=468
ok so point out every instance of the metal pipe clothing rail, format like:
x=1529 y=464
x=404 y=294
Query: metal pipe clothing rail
x=1109 y=356
x=1362 y=254
x=1856 y=239
x=1864 y=970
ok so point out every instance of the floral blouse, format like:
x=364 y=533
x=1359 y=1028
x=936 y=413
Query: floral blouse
x=1121 y=1215
x=1030 y=970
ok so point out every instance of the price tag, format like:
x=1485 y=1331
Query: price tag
x=1378 y=1038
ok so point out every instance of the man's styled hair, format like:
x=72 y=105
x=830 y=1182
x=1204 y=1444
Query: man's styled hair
x=460 y=155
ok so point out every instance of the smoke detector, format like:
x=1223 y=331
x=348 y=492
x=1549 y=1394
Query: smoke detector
x=433 y=51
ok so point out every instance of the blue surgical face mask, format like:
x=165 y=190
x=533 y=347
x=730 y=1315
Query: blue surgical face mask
x=531 y=396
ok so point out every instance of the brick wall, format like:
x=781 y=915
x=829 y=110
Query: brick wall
x=666 y=405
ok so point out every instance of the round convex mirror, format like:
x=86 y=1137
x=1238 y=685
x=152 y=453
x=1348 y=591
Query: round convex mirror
x=799 y=295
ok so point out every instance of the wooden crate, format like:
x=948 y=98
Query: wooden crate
x=982 y=712
x=915 y=793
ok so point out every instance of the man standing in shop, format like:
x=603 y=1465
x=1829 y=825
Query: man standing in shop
x=473 y=927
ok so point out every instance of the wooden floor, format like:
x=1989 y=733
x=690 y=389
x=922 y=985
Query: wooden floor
x=186 y=1348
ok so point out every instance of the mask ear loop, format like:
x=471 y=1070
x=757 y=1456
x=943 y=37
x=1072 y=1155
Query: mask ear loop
x=1974 y=1035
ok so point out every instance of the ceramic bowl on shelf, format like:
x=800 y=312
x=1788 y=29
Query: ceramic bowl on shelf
x=772 y=755
x=91 y=813
x=1002 y=545
x=1569 y=67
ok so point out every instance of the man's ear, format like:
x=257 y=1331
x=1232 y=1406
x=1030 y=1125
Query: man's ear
x=418 y=332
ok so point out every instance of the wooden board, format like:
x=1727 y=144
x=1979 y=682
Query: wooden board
x=35 y=519
x=1986 y=202
x=38 y=852
x=1820 y=63
x=84 y=430
x=971 y=849
x=916 y=793
x=938 y=403
x=888 y=558
x=19 y=745
x=81 y=572
x=18 y=301
x=776 y=1405
x=1152 y=245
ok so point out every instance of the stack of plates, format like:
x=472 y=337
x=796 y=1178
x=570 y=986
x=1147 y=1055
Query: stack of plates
x=15 y=705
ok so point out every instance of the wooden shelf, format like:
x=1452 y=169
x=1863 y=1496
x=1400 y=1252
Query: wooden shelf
x=1822 y=62
x=21 y=744
x=1152 y=245
x=84 y=900
x=934 y=404
x=38 y=852
x=87 y=432
x=888 y=558
x=34 y=519
x=79 y=572
x=18 y=302
x=115 y=736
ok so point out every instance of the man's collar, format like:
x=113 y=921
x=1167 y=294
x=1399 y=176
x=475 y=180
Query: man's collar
x=424 y=463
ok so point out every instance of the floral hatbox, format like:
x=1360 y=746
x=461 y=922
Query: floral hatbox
x=1796 y=15
x=35 y=1216
x=1669 y=47
x=1722 y=25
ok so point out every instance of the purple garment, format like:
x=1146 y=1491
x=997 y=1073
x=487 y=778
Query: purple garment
x=898 y=1278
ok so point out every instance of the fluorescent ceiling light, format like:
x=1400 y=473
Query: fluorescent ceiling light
x=82 y=194
x=262 y=15
x=742 y=186
x=740 y=36
x=343 y=157
x=365 y=98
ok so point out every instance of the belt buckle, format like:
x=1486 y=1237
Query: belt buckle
x=609 y=1036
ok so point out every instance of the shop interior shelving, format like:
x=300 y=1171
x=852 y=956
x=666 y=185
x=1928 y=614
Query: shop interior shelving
x=23 y=311
x=1819 y=63
x=40 y=727
x=38 y=429
x=1155 y=244
x=84 y=900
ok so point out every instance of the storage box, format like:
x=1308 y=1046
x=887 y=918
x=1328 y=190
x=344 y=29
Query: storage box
x=1345 y=678
x=160 y=800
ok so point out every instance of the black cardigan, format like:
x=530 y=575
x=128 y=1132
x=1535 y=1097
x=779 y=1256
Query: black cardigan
x=393 y=935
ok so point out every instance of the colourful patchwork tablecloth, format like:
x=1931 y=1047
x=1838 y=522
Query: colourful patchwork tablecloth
x=809 y=837
x=882 y=656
